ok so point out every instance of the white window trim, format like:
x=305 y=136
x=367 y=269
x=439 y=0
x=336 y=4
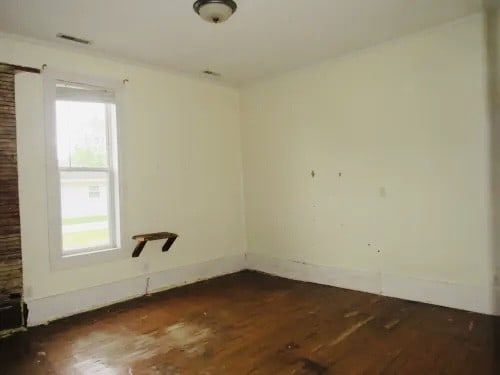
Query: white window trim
x=58 y=261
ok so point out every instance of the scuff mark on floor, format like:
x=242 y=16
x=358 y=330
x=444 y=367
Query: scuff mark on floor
x=351 y=314
x=392 y=324
x=315 y=349
x=394 y=357
x=313 y=366
x=292 y=345
x=165 y=369
x=348 y=332
x=471 y=326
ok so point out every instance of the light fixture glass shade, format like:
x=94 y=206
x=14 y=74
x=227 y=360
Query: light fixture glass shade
x=215 y=11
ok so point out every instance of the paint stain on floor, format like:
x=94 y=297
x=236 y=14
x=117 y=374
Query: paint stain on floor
x=95 y=351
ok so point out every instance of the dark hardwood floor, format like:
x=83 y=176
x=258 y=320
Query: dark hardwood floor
x=249 y=323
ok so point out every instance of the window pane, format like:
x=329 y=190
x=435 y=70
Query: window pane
x=84 y=210
x=82 y=133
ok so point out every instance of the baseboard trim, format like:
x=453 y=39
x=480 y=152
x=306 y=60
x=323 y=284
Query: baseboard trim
x=475 y=298
x=363 y=281
x=44 y=310
x=481 y=299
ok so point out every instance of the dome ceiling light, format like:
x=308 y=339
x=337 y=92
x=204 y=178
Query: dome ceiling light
x=215 y=11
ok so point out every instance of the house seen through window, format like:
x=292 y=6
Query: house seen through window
x=94 y=192
x=85 y=117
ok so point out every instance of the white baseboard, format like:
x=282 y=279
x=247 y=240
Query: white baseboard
x=481 y=299
x=196 y=272
x=44 y=310
x=465 y=297
x=348 y=279
x=476 y=298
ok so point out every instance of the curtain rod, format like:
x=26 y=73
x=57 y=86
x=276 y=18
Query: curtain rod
x=23 y=68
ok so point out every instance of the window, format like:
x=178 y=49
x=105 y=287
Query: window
x=85 y=116
x=82 y=164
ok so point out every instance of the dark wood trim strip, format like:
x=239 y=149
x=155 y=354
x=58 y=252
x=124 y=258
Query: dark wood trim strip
x=20 y=68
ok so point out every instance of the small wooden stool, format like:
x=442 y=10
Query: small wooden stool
x=142 y=239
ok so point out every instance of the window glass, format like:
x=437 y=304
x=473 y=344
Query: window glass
x=86 y=176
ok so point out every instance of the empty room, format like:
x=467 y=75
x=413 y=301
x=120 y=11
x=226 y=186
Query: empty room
x=249 y=187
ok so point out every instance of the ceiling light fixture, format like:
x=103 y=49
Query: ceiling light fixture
x=215 y=11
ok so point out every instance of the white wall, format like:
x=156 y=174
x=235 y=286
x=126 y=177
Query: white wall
x=182 y=169
x=398 y=136
x=493 y=44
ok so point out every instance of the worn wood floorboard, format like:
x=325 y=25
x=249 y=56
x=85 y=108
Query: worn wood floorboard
x=250 y=323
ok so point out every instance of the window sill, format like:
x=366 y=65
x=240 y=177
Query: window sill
x=86 y=259
x=90 y=251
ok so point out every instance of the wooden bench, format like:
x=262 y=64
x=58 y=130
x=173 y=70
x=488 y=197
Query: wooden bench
x=142 y=239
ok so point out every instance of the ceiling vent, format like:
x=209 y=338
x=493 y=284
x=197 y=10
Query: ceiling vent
x=74 y=39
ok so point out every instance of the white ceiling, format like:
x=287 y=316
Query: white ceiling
x=263 y=37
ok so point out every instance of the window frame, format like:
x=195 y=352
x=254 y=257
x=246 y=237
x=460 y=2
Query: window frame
x=84 y=257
